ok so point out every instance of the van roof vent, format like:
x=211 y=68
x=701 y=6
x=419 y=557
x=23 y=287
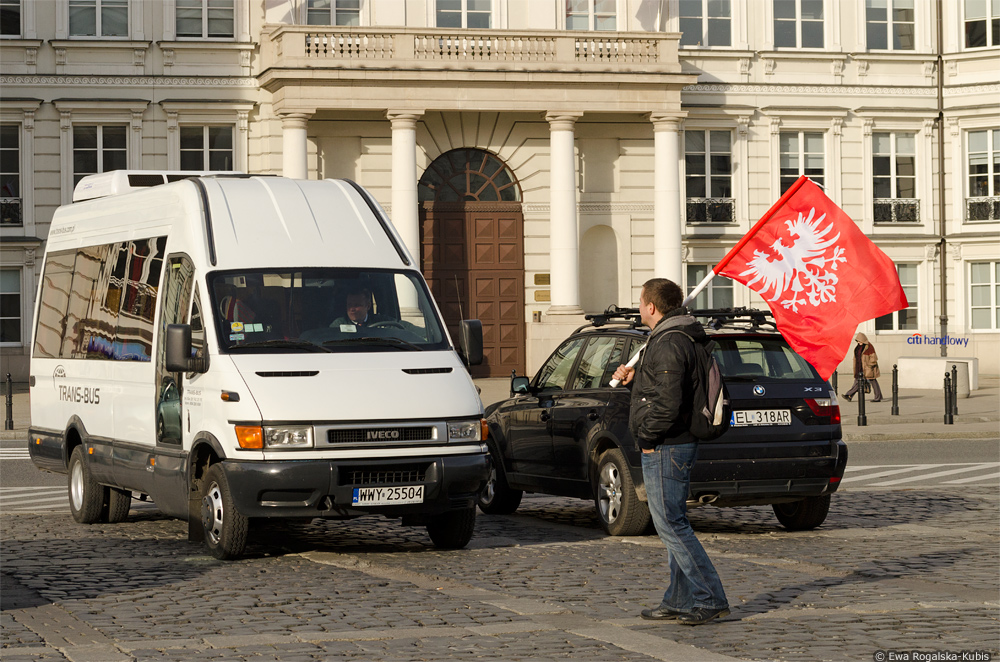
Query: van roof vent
x=117 y=182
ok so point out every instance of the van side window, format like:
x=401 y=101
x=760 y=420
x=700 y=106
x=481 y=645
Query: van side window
x=197 y=326
x=98 y=302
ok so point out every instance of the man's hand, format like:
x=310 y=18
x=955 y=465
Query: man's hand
x=624 y=374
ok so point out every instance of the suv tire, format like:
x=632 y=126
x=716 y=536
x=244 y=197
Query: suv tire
x=619 y=508
x=802 y=515
x=496 y=497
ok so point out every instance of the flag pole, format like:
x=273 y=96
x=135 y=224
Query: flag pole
x=701 y=286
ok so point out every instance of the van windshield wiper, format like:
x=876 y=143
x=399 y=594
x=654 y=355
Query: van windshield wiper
x=370 y=340
x=281 y=344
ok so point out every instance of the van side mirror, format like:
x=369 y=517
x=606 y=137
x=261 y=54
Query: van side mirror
x=470 y=342
x=179 y=357
x=519 y=385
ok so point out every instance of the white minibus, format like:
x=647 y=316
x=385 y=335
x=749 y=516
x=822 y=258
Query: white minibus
x=236 y=347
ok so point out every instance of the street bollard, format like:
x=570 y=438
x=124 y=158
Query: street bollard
x=949 y=418
x=895 y=391
x=862 y=418
x=954 y=389
x=8 y=423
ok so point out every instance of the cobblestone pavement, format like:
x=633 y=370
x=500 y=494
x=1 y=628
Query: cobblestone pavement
x=890 y=570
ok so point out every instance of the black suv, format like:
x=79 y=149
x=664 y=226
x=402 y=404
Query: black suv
x=565 y=432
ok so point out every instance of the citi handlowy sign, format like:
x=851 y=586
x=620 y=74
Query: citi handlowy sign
x=918 y=339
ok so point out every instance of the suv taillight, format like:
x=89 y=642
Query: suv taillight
x=826 y=407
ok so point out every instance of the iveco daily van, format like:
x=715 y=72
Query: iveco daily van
x=240 y=347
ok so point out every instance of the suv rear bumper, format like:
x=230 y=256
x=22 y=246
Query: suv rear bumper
x=323 y=488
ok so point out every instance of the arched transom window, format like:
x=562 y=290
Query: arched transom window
x=468 y=175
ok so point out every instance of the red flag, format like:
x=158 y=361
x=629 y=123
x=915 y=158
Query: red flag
x=817 y=271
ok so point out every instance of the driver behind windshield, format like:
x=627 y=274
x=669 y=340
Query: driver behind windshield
x=358 y=311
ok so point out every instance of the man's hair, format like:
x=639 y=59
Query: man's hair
x=664 y=294
x=358 y=290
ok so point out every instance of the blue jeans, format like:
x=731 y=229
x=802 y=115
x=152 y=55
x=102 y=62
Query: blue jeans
x=693 y=580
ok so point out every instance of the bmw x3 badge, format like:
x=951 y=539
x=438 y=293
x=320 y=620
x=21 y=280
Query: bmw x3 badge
x=758 y=390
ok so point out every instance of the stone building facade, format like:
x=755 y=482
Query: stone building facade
x=543 y=157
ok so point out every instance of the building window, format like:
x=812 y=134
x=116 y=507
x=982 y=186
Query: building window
x=984 y=296
x=983 y=203
x=982 y=23
x=10 y=175
x=800 y=153
x=98 y=18
x=706 y=22
x=10 y=306
x=99 y=149
x=591 y=15
x=889 y=24
x=472 y=14
x=798 y=23
x=906 y=319
x=895 y=178
x=708 y=163
x=206 y=148
x=211 y=19
x=718 y=294
x=333 y=12
x=10 y=18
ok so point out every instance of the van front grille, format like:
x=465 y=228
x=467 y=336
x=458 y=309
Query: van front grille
x=375 y=435
x=399 y=474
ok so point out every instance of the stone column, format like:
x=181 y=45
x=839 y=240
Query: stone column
x=564 y=233
x=667 y=229
x=294 y=147
x=405 y=208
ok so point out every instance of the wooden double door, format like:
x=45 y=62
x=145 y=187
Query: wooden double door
x=473 y=260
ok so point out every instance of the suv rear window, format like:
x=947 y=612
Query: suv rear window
x=752 y=359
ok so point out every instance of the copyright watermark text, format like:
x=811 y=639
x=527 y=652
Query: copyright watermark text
x=932 y=656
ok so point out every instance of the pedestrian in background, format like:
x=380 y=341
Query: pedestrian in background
x=865 y=366
x=660 y=422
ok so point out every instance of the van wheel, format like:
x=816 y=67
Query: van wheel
x=619 y=508
x=496 y=498
x=225 y=527
x=116 y=506
x=453 y=530
x=86 y=495
x=802 y=515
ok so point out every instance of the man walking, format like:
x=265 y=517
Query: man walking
x=660 y=422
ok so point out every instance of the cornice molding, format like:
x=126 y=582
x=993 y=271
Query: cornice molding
x=838 y=90
x=593 y=208
x=132 y=81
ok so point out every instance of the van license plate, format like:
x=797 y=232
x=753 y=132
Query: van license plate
x=756 y=417
x=388 y=496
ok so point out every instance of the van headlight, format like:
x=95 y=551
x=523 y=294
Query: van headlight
x=288 y=436
x=471 y=430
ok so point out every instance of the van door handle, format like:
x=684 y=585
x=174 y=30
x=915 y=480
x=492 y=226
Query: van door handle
x=593 y=415
x=545 y=415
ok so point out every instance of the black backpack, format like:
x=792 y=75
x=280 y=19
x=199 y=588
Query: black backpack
x=712 y=409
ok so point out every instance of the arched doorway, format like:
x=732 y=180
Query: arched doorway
x=472 y=251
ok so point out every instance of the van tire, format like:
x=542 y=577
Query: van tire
x=225 y=527
x=116 y=506
x=453 y=530
x=619 y=508
x=802 y=515
x=86 y=495
x=496 y=497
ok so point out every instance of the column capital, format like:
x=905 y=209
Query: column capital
x=563 y=121
x=403 y=119
x=295 y=120
x=667 y=121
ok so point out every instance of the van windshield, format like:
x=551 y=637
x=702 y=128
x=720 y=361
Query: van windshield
x=324 y=310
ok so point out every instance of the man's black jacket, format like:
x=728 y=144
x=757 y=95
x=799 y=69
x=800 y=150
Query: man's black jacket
x=662 y=387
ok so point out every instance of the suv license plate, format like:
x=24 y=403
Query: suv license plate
x=756 y=417
x=387 y=496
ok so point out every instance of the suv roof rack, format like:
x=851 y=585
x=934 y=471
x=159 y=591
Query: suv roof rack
x=747 y=318
x=628 y=317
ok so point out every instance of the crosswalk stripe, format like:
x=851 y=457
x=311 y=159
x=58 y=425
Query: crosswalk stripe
x=962 y=481
x=39 y=488
x=949 y=472
x=25 y=501
x=892 y=472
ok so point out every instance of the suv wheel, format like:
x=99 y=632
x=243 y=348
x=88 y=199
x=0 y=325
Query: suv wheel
x=618 y=507
x=802 y=515
x=496 y=498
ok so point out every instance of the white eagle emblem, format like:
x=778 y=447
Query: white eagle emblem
x=801 y=273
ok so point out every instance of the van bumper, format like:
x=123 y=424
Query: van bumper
x=325 y=488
